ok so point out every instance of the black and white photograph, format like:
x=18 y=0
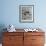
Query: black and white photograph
x=26 y=13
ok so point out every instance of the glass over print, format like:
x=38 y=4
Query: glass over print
x=26 y=13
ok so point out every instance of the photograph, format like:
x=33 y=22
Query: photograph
x=26 y=13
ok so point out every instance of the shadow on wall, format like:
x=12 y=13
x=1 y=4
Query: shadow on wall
x=2 y=26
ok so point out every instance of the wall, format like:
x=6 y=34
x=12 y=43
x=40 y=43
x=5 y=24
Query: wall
x=9 y=13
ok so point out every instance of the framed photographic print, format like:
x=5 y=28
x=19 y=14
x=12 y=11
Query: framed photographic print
x=26 y=13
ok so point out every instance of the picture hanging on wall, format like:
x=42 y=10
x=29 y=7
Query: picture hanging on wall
x=26 y=13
